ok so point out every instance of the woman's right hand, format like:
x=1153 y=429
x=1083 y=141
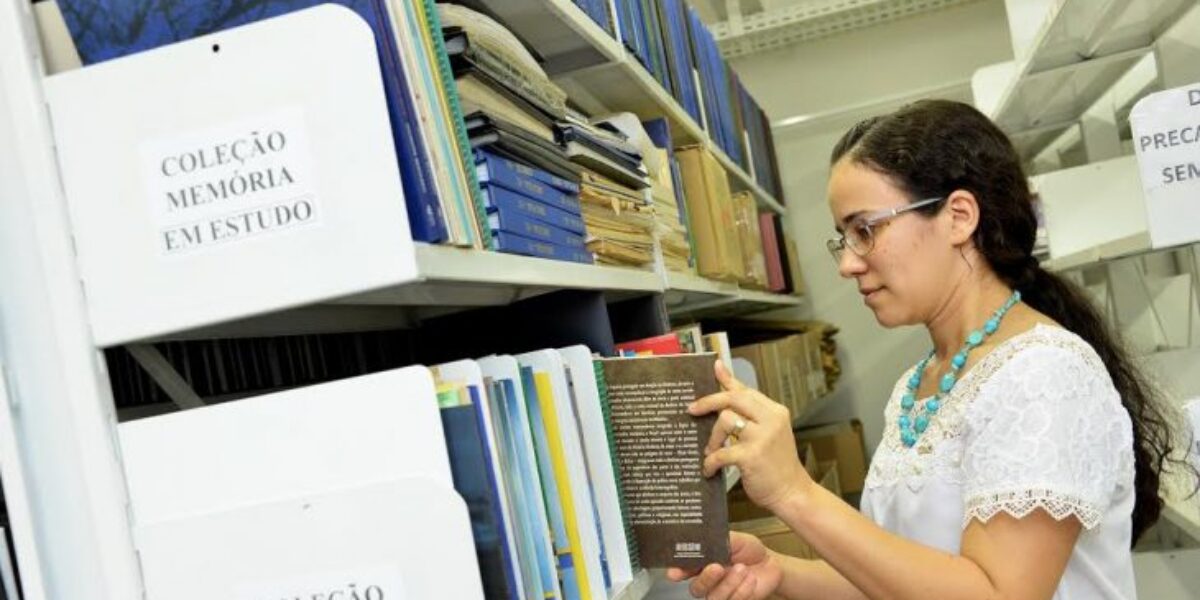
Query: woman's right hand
x=755 y=573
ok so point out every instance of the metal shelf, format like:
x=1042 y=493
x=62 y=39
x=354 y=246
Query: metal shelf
x=1080 y=51
x=690 y=296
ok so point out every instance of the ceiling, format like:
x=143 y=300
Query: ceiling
x=746 y=27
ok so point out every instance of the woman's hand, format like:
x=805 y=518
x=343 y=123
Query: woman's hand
x=755 y=573
x=762 y=447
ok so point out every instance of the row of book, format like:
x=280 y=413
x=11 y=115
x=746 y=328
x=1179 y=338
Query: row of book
x=555 y=453
x=467 y=102
x=669 y=39
x=733 y=241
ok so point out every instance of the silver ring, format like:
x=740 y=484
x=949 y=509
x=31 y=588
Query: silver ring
x=738 y=426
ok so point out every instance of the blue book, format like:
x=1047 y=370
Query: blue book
x=501 y=199
x=513 y=222
x=500 y=173
x=522 y=527
x=517 y=244
x=558 y=526
x=108 y=29
x=530 y=488
x=470 y=468
x=490 y=161
x=680 y=58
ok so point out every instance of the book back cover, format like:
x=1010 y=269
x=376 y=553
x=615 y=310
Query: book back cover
x=679 y=518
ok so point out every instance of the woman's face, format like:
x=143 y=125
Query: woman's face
x=908 y=271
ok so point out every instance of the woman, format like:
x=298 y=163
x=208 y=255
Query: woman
x=1020 y=459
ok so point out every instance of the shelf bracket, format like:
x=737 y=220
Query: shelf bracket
x=160 y=370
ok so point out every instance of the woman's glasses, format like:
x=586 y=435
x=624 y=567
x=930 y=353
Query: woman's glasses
x=859 y=235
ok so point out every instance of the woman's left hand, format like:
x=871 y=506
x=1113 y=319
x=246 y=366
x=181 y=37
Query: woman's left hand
x=763 y=447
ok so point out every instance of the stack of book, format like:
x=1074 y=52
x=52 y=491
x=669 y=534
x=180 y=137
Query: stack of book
x=531 y=211
x=530 y=184
x=754 y=263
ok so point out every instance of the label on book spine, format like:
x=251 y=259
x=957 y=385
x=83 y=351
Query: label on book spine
x=230 y=183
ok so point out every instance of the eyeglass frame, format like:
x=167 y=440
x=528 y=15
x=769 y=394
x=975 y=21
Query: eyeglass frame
x=838 y=245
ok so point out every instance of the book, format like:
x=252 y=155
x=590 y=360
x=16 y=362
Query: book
x=512 y=243
x=679 y=518
x=470 y=458
x=528 y=181
x=551 y=486
x=515 y=222
x=710 y=212
x=594 y=434
x=490 y=163
x=667 y=343
x=477 y=459
x=567 y=458
x=538 y=557
x=501 y=199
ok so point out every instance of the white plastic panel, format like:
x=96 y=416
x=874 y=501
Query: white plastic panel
x=182 y=211
x=1092 y=205
x=299 y=442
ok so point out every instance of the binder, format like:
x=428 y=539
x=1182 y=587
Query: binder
x=518 y=244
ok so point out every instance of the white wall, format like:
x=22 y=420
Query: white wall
x=826 y=75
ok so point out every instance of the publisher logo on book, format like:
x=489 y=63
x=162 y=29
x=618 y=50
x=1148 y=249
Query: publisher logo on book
x=689 y=550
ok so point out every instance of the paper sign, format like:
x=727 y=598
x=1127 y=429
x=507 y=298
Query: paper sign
x=230 y=183
x=367 y=583
x=1166 y=137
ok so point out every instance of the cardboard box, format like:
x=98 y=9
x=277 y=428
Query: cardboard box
x=776 y=535
x=829 y=477
x=842 y=442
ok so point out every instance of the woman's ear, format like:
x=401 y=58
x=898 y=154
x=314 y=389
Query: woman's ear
x=962 y=207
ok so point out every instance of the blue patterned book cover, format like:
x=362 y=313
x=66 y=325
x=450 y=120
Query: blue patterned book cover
x=534 y=509
x=108 y=29
x=470 y=467
x=501 y=199
x=558 y=526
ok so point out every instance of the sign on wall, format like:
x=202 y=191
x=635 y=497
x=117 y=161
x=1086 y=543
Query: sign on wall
x=1166 y=137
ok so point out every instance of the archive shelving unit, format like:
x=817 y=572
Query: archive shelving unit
x=59 y=451
x=1079 y=69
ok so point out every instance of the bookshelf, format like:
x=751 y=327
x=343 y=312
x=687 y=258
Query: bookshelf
x=602 y=76
x=65 y=431
x=1069 y=54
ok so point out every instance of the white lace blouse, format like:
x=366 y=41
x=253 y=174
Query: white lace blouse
x=1035 y=424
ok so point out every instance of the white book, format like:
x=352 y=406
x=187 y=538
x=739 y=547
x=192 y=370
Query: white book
x=588 y=559
x=593 y=432
x=538 y=555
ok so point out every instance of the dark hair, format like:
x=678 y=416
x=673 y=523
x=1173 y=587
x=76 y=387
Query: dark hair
x=931 y=148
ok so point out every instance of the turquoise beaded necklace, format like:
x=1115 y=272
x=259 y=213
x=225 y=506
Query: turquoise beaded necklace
x=911 y=427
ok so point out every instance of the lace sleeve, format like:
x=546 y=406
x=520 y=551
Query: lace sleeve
x=1047 y=432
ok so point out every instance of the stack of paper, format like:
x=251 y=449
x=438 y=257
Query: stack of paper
x=620 y=224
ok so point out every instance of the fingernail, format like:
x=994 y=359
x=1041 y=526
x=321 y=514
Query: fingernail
x=691 y=408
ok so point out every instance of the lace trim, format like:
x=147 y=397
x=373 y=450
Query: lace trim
x=1019 y=504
